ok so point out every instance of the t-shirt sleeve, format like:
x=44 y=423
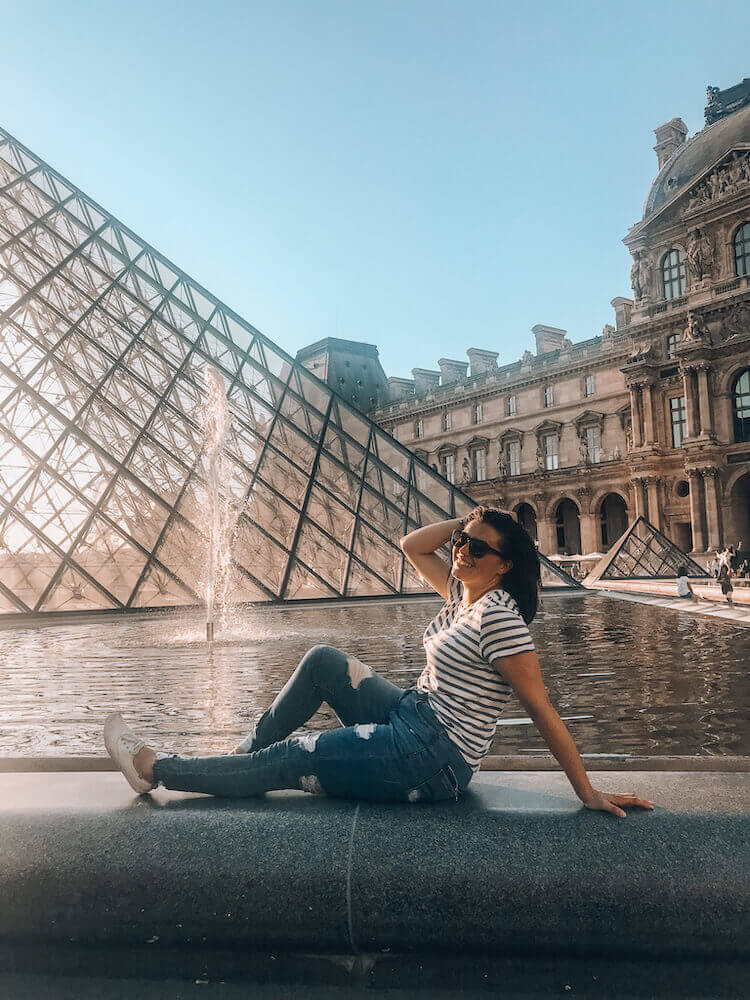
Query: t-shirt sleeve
x=455 y=588
x=503 y=633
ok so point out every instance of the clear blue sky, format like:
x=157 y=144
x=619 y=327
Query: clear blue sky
x=422 y=175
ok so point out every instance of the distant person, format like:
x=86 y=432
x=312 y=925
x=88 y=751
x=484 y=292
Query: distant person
x=424 y=743
x=725 y=582
x=683 y=585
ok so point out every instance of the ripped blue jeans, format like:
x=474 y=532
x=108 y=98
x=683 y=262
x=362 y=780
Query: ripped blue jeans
x=391 y=747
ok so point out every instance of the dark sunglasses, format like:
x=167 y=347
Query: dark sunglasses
x=477 y=548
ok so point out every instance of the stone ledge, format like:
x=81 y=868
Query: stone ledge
x=516 y=867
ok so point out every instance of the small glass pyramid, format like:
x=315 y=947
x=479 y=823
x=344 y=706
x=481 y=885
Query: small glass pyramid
x=104 y=350
x=643 y=553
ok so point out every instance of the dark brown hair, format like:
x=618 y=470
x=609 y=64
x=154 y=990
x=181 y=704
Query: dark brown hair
x=523 y=579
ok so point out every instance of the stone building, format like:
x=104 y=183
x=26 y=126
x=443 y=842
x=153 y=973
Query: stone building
x=653 y=415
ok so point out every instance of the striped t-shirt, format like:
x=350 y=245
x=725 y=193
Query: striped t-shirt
x=463 y=690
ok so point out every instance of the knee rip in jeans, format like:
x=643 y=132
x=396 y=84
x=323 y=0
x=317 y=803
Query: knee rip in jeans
x=308 y=741
x=358 y=671
x=311 y=783
x=365 y=731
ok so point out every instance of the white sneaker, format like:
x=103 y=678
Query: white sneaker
x=122 y=745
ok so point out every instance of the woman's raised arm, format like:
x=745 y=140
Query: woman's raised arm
x=419 y=547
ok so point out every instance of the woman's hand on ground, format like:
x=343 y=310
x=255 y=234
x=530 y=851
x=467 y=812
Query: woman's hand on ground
x=611 y=801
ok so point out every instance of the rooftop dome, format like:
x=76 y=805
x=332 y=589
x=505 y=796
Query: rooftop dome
x=696 y=155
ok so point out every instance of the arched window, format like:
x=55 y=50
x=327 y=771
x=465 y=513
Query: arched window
x=741 y=406
x=673 y=274
x=742 y=250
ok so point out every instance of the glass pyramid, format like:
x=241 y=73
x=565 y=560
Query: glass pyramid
x=643 y=553
x=105 y=348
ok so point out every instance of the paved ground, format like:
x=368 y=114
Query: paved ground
x=639 y=986
x=718 y=610
x=703 y=793
x=83 y=843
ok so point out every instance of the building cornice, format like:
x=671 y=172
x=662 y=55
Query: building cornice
x=451 y=396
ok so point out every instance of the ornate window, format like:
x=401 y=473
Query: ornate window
x=448 y=466
x=479 y=464
x=672 y=341
x=673 y=274
x=589 y=387
x=549 y=396
x=511 y=406
x=741 y=406
x=594 y=443
x=476 y=413
x=742 y=253
x=447 y=458
x=678 y=420
x=419 y=428
x=447 y=420
x=551 y=459
x=514 y=458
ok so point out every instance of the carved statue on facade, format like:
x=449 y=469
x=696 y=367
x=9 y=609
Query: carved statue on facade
x=724 y=181
x=608 y=331
x=713 y=109
x=527 y=358
x=737 y=320
x=540 y=456
x=583 y=450
x=466 y=470
x=641 y=351
x=502 y=467
x=700 y=252
x=695 y=329
x=638 y=276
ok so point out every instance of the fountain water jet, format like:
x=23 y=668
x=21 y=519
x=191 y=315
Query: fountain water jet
x=222 y=517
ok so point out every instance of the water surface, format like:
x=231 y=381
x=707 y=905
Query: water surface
x=627 y=678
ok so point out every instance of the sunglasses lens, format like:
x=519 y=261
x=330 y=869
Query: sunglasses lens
x=477 y=548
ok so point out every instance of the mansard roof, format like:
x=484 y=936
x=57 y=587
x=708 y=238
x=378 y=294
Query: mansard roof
x=694 y=157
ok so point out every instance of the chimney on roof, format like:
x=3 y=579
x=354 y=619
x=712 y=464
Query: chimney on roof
x=669 y=137
x=482 y=361
x=452 y=371
x=548 y=338
x=425 y=380
x=399 y=388
x=623 y=308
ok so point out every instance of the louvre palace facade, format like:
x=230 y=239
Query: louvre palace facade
x=652 y=416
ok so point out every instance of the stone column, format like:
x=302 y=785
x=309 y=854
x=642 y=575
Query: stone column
x=649 y=430
x=635 y=410
x=546 y=533
x=711 y=488
x=704 y=402
x=690 y=407
x=641 y=505
x=697 y=512
x=654 y=507
x=589 y=533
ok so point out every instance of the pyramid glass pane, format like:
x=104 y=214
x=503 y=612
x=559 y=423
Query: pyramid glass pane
x=111 y=484
x=644 y=552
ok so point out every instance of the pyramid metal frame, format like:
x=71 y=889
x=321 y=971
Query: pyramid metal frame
x=104 y=345
x=635 y=551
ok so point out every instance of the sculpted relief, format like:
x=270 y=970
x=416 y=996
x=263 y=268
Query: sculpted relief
x=696 y=330
x=700 y=252
x=638 y=276
x=726 y=180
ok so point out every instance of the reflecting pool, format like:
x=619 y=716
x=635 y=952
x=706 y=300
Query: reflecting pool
x=627 y=678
